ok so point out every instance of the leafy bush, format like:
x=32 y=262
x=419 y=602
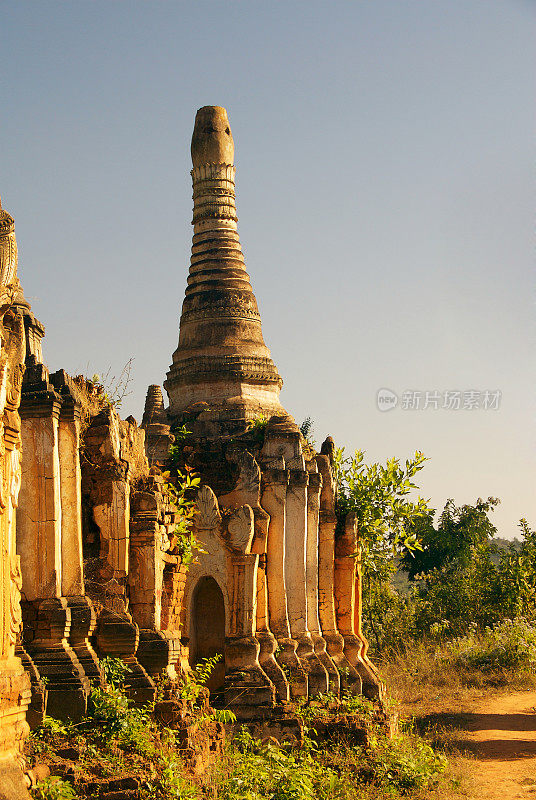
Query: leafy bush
x=114 y=711
x=118 y=719
x=257 y=427
x=406 y=762
x=389 y=618
x=180 y=489
x=509 y=644
x=53 y=789
x=255 y=770
x=191 y=685
x=378 y=495
x=170 y=783
x=114 y=670
x=52 y=727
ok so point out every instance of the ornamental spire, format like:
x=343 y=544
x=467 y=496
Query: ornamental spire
x=221 y=359
x=8 y=249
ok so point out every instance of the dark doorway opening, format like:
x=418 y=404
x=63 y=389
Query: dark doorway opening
x=207 y=629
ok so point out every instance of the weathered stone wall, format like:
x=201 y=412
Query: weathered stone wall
x=290 y=586
x=95 y=533
x=14 y=683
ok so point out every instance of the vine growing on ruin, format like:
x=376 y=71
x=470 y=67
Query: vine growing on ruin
x=113 y=390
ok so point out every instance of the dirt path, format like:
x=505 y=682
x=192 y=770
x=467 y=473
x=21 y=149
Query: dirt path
x=500 y=733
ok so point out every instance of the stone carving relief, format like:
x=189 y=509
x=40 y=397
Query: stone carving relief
x=208 y=515
x=15 y=613
x=8 y=258
x=240 y=527
x=16 y=479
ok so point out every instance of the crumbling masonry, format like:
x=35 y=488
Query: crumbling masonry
x=87 y=522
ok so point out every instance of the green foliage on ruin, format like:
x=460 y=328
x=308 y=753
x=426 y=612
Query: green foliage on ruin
x=334 y=770
x=380 y=497
x=116 y=736
x=54 y=788
x=257 y=427
x=180 y=489
x=457 y=581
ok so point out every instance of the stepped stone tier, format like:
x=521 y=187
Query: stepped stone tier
x=275 y=586
x=221 y=359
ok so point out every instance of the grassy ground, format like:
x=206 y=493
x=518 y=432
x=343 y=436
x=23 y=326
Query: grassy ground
x=346 y=754
x=431 y=687
x=438 y=687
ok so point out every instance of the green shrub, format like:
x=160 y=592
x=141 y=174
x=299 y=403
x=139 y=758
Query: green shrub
x=53 y=789
x=114 y=670
x=510 y=645
x=338 y=771
x=255 y=770
x=113 y=710
x=405 y=762
x=257 y=427
x=171 y=783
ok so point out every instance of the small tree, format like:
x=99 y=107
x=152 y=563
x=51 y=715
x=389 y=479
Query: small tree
x=378 y=495
x=386 y=518
x=460 y=530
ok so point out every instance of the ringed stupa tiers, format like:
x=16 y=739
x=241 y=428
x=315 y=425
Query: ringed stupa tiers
x=221 y=359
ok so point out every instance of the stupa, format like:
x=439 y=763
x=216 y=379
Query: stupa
x=275 y=586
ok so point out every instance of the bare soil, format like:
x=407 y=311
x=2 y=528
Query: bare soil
x=492 y=741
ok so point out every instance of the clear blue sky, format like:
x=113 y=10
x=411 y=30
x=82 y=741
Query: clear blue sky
x=385 y=193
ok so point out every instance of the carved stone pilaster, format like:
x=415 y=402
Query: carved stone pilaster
x=67 y=684
x=15 y=694
x=83 y=624
x=39 y=510
x=326 y=577
x=248 y=690
x=37 y=707
x=274 y=492
x=296 y=581
x=346 y=584
x=311 y=575
x=117 y=636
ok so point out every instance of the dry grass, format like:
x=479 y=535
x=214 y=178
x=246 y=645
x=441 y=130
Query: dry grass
x=423 y=680
x=438 y=697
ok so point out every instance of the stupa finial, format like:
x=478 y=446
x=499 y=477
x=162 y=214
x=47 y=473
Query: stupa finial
x=212 y=140
x=221 y=359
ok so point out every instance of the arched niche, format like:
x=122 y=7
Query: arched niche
x=207 y=628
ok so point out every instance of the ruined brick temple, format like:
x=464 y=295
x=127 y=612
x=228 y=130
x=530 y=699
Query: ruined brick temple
x=87 y=526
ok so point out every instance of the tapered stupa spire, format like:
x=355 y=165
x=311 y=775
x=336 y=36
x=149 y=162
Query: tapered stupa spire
x=8 y=249
x=9 y=259
x=221 y=359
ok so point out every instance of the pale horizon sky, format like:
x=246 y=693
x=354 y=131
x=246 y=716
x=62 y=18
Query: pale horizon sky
x=385 y=192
